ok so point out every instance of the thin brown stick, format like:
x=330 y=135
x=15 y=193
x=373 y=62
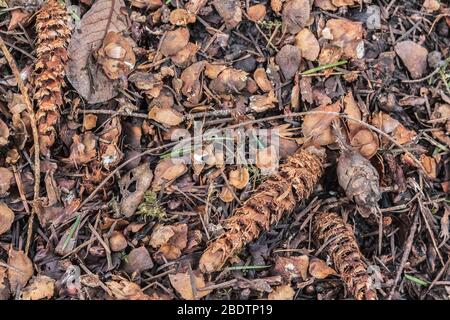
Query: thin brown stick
x=37 y=165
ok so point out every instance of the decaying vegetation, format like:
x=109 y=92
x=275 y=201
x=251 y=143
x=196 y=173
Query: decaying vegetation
x=226 y=149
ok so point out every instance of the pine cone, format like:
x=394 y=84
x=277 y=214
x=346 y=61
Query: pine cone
x=52 y=39
x=341 y=245
x=275 y=197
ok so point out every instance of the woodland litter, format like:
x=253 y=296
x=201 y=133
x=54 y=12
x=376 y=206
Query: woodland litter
x=226 y=149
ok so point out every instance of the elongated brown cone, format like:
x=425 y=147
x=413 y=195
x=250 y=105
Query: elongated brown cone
x=341 y=245
x=275 y=197
x=52 y=38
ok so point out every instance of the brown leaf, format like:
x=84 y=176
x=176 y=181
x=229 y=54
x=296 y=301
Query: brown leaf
x=267 y=159
x=116 y=56
x=20 y=269
x=230 y=11
x=185 y=56
x=229 y=80
x=318 y=126
x=41 y=287
x=83 y=149
x=257 y=12
x=117 y=241
x=292 y=267
x=308 y=44
x=262 y=81
x=6 y=218
x=226 y=195
x=329 y=54
x=89 y=121
x=181 y=17
x=18 y=16
x=261 y=103
x=319 y=269
x=325 y=5
x=132 y=188
x=366 y=142
x=4 y=133
x=289 y=59
x=90 y=82
x=6 y=176
x=174 y=41
x=429 y=164
x=138 y=260
x=413 y=56
x=126 y=290
x=239 y=178
x=431 y=5
x=389 y=125
x=166 y=116
x=283 y=292
x=296 y=14
x=347 y=35
x=344 y=3
x=169 y=240
x=166 y=171
x=181 y=282
x=192 y=86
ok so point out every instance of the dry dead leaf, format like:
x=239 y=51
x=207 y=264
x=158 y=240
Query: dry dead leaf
x=181 y=17
x=212 y=70
x=429 y=164
x=347 y=35
x=257 y=13
x=344 y=3
x=366 y=142
x=325 y=5
x=173 y=41
x=181 y=282
x=389 y=125
x=4 y=133
x=83 y=149
x=283 y=292
x=296 y=15
x=292 y=267
x=89 y=121
x=117 y=241
x=138 y=260
x=116 y=56
x=320 y=270
x=226 y=195
x=6 y=177
x=289 y=59
x=413 y=56
x=261 y=103
x=6 y=218
x=92 y=83
x=230 y=11
x=18 y=16
x=166 y=116
x=126 y=290
x=167 y=171
x=318 y=126
x=262 y=81
x=308 y=44
x=229 y=80
x=330 y=54
x=169 y=240
x=20 y=270
x=267 y=159
x=41 y=287
x=192 y=86
x=239 y=178
x=431 y=5
x=133 y=185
